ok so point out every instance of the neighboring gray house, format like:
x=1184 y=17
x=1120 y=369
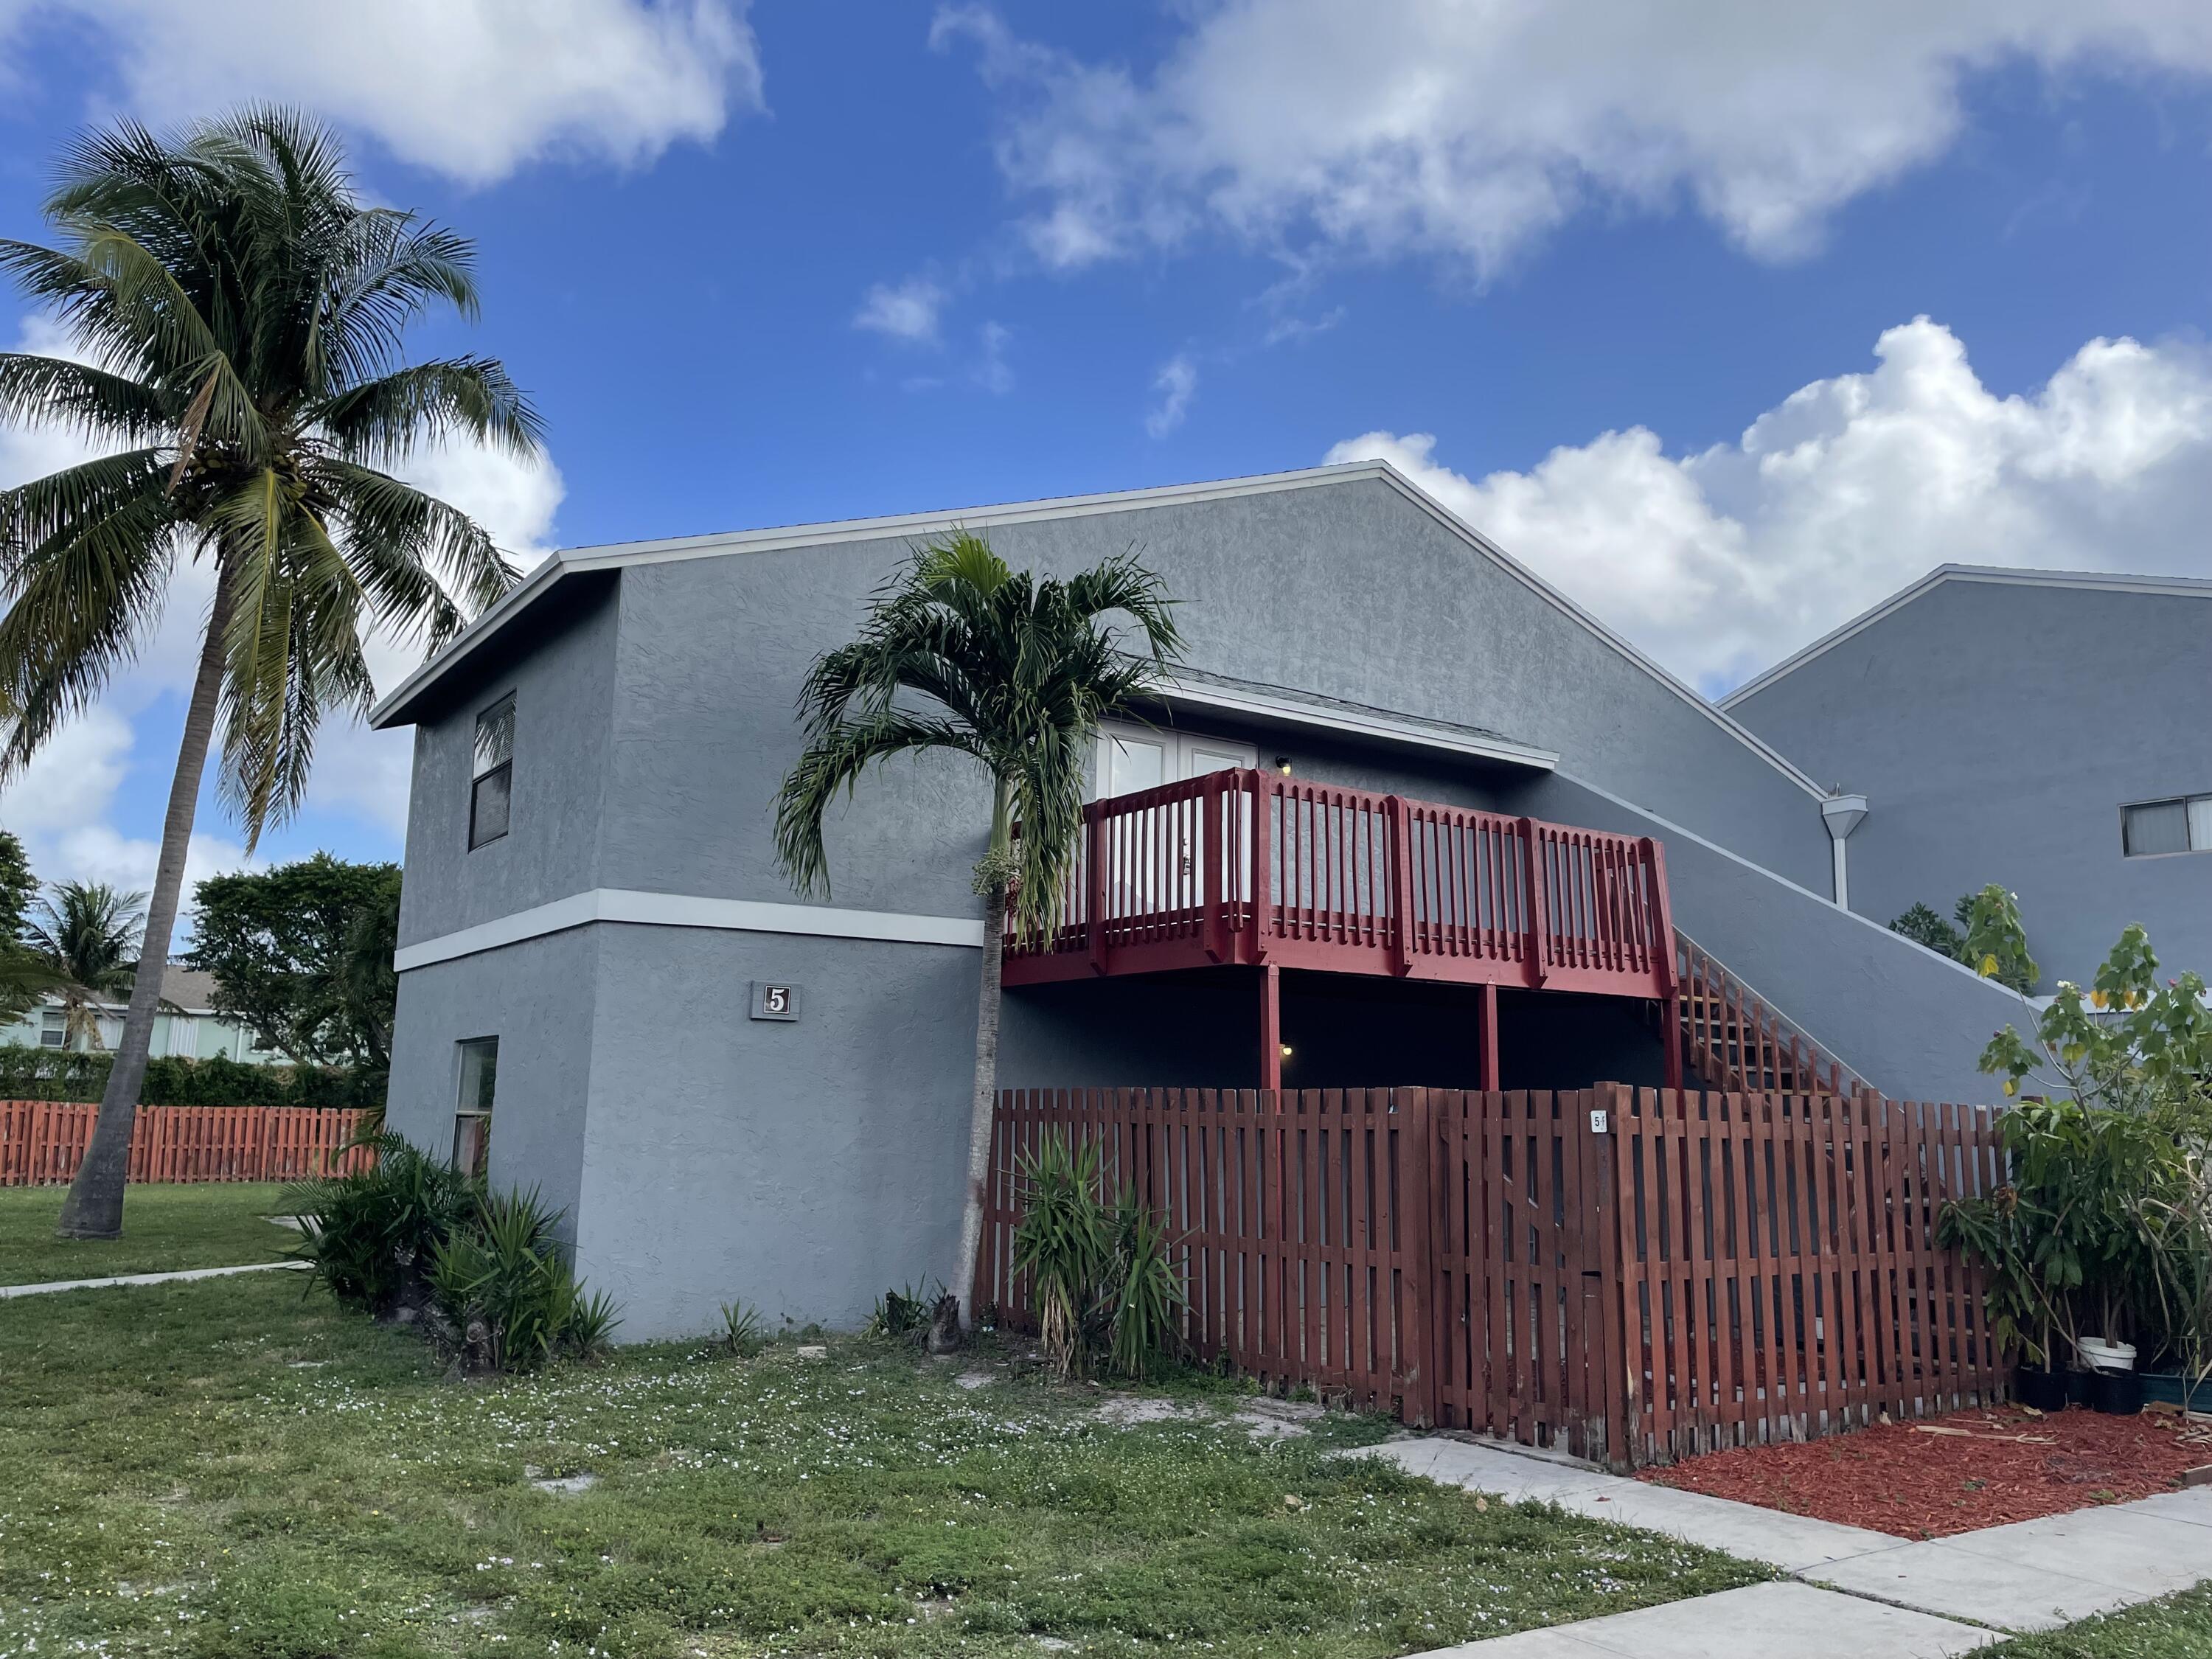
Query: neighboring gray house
x=594 y=925
x=187 y=1027
x=2044 y=730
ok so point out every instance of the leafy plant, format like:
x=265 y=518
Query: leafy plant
x=1102 y=1282
x=86 y=933
x=906 y=1312
x=508 y=1293
x=743 y=1333
x=371 y=1235
x=2102 y=1219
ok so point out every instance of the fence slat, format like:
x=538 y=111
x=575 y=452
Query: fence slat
x=42 y=1142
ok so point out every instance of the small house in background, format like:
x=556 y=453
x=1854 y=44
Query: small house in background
x=190 y=1029
x=1406 y=816
x=2044 y=730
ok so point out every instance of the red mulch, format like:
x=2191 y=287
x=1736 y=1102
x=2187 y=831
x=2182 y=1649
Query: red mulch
x=1897 y=1478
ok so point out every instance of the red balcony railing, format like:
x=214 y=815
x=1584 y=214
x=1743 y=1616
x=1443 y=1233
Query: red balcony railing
x=1251 y=867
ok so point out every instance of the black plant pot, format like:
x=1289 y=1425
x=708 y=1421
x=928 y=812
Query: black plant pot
x=2081 y=1387
x=2046 y=1390
x=2118 y=1394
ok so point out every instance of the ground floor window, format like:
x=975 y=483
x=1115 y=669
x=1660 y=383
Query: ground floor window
x=472 y=1118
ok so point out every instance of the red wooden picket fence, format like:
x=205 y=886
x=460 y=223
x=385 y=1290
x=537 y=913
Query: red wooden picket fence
x=1629 y=1274
x=42 y=1142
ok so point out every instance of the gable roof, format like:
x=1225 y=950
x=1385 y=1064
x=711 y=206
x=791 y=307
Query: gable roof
x=1996 y=575
x=404 y=703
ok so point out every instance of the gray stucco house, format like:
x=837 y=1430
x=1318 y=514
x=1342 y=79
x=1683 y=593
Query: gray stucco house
x=733 y=1093
x=2044 y=730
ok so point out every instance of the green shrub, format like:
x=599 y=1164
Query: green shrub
x=508 y=1294
x=371 y=1235
x=412 y=1233
x=29 y=1073
x=1103 y=1285
x=742 y=1332
x=905 y=1313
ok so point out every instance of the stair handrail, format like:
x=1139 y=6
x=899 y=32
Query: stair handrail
x=1695 y=963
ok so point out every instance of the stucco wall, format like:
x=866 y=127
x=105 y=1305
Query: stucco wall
x=1996 y=730
x=537 y=999
x=1346 y=590
x=1910 y=1022
x=564 y=692
x=802 y=1167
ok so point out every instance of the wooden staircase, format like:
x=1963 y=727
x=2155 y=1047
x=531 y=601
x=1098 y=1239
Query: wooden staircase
x=1733 y=1040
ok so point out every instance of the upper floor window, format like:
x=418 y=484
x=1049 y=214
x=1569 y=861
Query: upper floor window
x=494 y=786
x=2183 y=824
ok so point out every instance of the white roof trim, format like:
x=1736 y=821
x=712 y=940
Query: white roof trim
x=1998 y=575
x=618 y=556
x=1357 y=722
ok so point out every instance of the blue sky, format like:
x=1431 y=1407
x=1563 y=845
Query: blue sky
x=1637 y=295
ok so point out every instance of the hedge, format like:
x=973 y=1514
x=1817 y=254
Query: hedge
x=28 y=1073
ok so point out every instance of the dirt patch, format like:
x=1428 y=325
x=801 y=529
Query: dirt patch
x=1976 y=1468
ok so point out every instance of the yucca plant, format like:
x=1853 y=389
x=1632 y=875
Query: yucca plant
x=1102 y=1281
x=1064 y=1244
x=1148 y=1292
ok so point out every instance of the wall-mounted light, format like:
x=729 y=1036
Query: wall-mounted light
x=1283 y=764
x=1287 y=1050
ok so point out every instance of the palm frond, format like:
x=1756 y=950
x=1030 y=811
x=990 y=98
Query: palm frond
x=89 y=402
x=388 y=418
x=831 y=765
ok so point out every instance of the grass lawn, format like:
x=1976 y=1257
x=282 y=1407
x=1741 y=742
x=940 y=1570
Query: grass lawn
x=217 y=1225
x=233 y=1469
x=2178 y=1627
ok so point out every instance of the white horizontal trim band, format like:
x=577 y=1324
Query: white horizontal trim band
x=684 y=910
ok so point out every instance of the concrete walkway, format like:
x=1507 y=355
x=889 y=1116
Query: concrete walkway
x=51 y=1286
x=1853 y=1593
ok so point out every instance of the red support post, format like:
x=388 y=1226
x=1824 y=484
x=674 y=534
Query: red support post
x=1671 y=1037
x=1264 y=789
x=1537 y=862
x=1486 y=1069
x=1271 y=1027
x=1402 y=884
x=1212 y=891
x=1094 y=897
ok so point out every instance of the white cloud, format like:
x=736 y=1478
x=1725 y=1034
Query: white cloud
x=1722 y=562
x=472 y=88
x=905 y=311
x=992 y=371
x=1177 y=383
x=1469 y=131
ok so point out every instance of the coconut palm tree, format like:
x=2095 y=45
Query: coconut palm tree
x=236 y=315
x=88 y=936
x=960 y=653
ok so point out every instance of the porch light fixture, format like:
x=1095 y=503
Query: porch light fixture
x=1283 y=764
x=1287 y=1050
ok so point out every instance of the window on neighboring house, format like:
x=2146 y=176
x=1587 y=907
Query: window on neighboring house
x=493 y=789
x=472 y=1117
x=53 y=1029
x=2154 y=828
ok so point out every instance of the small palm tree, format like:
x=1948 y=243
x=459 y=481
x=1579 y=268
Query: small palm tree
x=88 y=936
x=239 y=312
x=960 y=653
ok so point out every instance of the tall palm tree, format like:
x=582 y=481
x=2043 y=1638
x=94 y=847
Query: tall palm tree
x=239 y=313
x=88 y=935
x=960 y=653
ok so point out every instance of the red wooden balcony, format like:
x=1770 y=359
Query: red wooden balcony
x=1256 y=869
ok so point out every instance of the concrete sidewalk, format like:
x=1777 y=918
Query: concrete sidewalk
x=51 y=1285
x=1856 y=1593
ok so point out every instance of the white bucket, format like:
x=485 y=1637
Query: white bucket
x=2107 y=1356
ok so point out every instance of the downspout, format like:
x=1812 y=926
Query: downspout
x=1842 y=814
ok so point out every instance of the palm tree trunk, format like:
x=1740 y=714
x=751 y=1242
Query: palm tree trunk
x=986 y=1096
x=94 y=1208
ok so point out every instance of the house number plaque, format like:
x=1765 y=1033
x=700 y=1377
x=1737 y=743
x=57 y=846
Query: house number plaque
x=774 y=1001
